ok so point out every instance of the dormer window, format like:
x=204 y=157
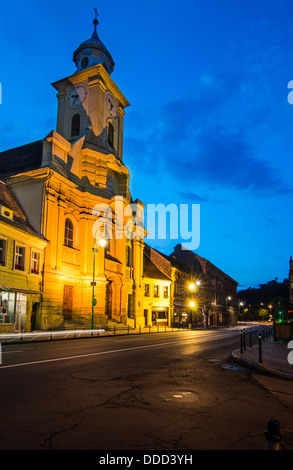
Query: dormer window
x=5 y=212
x=75 y=125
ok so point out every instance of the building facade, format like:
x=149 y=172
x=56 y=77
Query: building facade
x=79 y=255
x=202 y=293
x=157 y=282
x=72 y=184
x=21 y=266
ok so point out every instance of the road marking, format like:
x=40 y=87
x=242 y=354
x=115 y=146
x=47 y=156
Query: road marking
x=113 y=351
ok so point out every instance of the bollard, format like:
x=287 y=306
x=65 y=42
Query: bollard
x=259 y=348
x=241 y=342
x=250 y=338
x=272 y=435
x=244 y=345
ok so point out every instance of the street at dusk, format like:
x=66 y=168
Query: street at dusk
x=146 y=255
x=167 y=391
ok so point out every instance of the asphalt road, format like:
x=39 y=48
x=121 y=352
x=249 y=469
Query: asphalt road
x=168 y=391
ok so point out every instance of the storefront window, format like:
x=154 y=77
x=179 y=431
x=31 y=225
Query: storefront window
x=7 y=310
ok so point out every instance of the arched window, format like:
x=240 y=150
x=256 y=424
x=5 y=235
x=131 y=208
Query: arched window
x=111 y=134
x=75 y=125
x=68 y=233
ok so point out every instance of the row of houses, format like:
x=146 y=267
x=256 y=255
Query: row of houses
x=179 y=289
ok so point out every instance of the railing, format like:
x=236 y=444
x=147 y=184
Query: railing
x=85 y=333
x=261 y=335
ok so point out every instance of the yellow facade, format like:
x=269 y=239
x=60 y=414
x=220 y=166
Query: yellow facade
x=63 y=197
x=21 y=267
x=157 y=302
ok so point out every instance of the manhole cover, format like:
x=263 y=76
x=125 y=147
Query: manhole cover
x=179 y=396
x=235 y=368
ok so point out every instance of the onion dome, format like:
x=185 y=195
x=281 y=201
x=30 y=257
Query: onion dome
x=92 y=52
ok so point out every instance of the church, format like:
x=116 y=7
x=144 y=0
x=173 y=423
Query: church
x=72 y=246
x=61 y=179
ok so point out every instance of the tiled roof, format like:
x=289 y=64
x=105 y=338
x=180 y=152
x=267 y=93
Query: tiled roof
x=152 y=271
x=20 y=220
x=20 y=159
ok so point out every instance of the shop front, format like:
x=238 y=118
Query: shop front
x=18 y=310
x=160 y=317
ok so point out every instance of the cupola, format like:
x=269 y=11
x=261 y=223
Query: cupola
x=92 y=52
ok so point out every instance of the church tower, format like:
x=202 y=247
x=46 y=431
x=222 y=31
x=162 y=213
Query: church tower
x=61 y=179
x=91 y=112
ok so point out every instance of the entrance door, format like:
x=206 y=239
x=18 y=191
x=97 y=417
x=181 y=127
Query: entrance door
x=34 y=316
x=109 y=299
x=67 y=302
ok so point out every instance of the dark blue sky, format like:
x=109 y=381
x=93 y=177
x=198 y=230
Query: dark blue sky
x=209 y=121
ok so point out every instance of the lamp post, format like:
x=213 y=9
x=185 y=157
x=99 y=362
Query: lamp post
x=102 y=243
x=192 y=287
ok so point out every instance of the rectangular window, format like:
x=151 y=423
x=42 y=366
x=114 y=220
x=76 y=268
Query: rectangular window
x=156 y=290
x=166 y=292
x=3 y=252
x=19 y=257
x=147 y=290
x=35 y=262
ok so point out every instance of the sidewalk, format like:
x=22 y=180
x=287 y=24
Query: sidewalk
x=274 y=355
x=8 y=338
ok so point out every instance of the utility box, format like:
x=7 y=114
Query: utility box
x=283 y=331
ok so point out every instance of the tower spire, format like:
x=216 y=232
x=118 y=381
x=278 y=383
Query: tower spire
x=95 y=34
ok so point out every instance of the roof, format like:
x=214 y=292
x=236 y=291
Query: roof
x=191 y=263
x=151 y=271
x=21 y=159
x=20 y=220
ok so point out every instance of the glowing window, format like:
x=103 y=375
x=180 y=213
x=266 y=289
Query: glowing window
x=68 y=234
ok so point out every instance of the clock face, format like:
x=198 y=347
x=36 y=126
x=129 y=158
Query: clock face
x=77 y=96
x=111 y=104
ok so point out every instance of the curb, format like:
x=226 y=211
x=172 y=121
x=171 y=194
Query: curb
x=261 y=367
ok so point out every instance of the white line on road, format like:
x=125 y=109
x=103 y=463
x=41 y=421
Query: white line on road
x=113 y=351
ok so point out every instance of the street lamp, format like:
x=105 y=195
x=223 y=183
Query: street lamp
x=193 y=285
x=102 y=244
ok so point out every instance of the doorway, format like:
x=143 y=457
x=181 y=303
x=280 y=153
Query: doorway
x=34 y=316
x=67 y=302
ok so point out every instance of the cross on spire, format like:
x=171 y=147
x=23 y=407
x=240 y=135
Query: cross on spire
x=95 y=22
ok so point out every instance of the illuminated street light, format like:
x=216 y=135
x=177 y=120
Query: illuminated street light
x=191 y=286
x=102 y=244
x=192 y=304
